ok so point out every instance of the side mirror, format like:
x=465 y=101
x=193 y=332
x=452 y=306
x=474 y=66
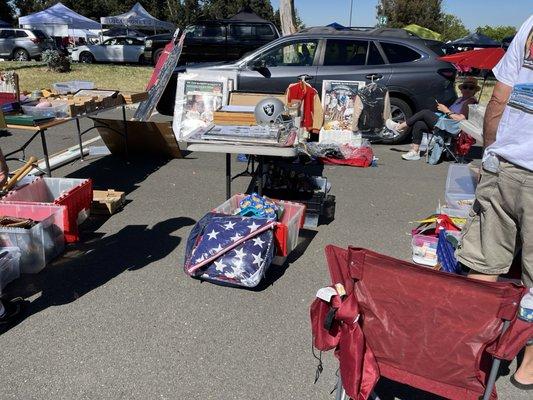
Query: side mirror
x=258 y=65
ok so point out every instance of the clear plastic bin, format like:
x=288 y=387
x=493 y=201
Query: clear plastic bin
x=72 y=86
x=75 y=194
x=40 y=244
x=460 y=186
x=59 y=109
x=287 y=230
x=9 y=265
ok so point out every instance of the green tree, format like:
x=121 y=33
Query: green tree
x=399 y=13
x=452 y=28
x=497 y=32
x=6 y=11
x=213 y=9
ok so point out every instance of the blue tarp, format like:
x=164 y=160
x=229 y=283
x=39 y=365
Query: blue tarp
x=4 y=24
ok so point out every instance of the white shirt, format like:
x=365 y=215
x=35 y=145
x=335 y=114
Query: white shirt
x=514 y=138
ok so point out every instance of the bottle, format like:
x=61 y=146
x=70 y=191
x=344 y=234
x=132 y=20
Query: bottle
x=525 y=311
x=492 y=163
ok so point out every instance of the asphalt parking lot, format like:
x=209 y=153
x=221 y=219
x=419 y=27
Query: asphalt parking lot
x=117 y=318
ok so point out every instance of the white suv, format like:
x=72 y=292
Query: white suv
x=23 y=44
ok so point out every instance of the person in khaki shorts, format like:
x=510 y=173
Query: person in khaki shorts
x=501 y=220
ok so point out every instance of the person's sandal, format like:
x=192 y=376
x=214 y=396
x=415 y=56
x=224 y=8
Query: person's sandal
x=12 y=308
x=521 y=386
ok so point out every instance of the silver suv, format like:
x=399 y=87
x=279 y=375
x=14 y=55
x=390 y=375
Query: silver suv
x=23 y=44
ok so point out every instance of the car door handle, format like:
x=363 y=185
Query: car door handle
x=374 y=76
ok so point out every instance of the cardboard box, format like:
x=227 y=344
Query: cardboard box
x=251 y=99
x=107 y=202
x=134 y=97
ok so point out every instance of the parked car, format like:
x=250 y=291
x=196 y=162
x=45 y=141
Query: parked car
x=23 y=44
x=221 y=40
x=408 y=66
x=118 y=50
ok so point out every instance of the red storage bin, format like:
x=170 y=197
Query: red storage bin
x=286 y=231
x=75 y=195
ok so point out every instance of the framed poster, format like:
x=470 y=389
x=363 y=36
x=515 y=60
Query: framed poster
x=197 y=98
x=338 y=101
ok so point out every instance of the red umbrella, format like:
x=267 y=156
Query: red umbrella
x=480 y=59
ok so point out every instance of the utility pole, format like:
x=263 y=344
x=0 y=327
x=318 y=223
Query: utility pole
x=351 y=10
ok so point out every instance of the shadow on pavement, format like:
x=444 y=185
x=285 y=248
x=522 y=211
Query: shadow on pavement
x=390 y=390
x=275 y=272
x=112 y=172
x=89 y=265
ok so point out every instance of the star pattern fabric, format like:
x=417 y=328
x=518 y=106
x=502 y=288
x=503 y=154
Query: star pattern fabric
x=234 y=250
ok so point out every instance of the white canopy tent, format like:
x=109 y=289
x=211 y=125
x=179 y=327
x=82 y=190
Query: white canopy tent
x=137 y=17
x=59 y=20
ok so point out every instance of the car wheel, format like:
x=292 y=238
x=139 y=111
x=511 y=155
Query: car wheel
x=21 y=55
x=142 y=60
x=157 y=54
x=86 y=58
x=400 y=111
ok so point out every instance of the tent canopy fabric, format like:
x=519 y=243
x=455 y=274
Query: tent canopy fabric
x=59 y=14
x=480 y=59
x=137 y=17
x=247 y=14
x=475 y=40
x=337 y=26
x=422 y=32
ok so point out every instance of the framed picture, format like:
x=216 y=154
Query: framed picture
x=338 y=100
x=197 y=98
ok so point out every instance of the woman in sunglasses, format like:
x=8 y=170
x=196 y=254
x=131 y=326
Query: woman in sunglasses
x=425 y=120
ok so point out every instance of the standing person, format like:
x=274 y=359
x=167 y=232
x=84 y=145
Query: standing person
x=8 y=309
x=501 y=220
x=425 y=120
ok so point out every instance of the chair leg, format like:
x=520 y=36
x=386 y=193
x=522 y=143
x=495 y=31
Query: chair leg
x=495 y=368
x=340 y=393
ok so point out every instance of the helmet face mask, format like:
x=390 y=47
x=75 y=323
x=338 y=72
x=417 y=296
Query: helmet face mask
x=268 y=111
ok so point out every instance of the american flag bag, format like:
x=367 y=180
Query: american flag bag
x=230 y=249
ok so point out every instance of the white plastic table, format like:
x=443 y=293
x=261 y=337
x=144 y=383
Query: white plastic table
x=257 y=150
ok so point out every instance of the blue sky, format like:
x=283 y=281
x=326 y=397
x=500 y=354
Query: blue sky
x=473 y=13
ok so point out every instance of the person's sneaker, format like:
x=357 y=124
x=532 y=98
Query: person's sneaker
x=411 y=156
x=12 y=308
x=391 y=125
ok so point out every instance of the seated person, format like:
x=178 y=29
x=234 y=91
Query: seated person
x=425 y=120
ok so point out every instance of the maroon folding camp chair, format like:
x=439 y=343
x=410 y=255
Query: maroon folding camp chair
x=417 y=326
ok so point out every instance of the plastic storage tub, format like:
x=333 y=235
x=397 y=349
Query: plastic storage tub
x=286 y=231
x=59 y=109
x=460 y=186
x=9 y=265
x=75 y=195
x=72 y=86
x=40 y=244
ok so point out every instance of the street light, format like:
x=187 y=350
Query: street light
x=351 y=9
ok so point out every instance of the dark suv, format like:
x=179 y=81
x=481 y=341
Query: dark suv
x=407 y=65
x=221 y=40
